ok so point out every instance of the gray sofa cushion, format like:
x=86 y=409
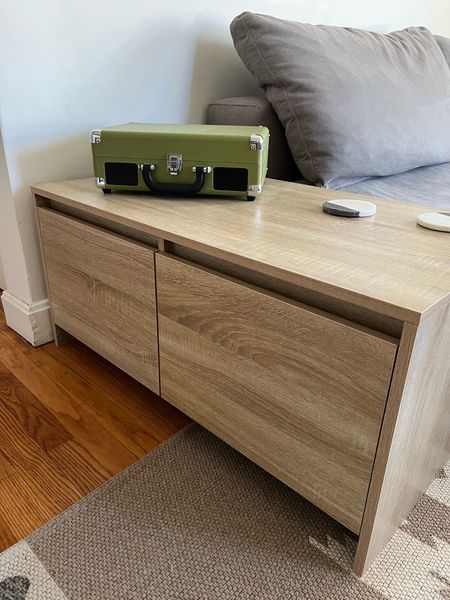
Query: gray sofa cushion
x=355 y=104
x=426 y=185
x=444 y=45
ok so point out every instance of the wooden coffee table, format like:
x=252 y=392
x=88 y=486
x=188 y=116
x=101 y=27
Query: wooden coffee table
x=317 y=346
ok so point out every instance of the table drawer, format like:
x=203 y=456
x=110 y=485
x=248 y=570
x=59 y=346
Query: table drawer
x=102 y=291
x=299 y=392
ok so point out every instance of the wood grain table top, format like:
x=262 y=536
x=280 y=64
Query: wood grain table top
x=385 y=263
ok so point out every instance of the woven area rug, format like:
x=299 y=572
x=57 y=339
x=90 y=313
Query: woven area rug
x=195 y=520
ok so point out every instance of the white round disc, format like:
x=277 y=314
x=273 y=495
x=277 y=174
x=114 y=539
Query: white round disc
x=435 y=220
x=365 y=209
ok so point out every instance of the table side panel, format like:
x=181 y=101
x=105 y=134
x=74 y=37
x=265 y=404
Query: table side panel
x=415 y=438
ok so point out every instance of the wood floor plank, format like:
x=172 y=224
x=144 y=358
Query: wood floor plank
x=7 y=537
x=79 y=466
x=135 y=415
x=43 y=476
x=37 y=421
x=163 y=418
x=96 y=440
x=6 y=467
x=134 y=432
x=69 y=420
x=3 y=325
x=22 y=510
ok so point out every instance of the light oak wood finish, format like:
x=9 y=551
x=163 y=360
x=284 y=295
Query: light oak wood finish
x=285 y=234
x=414 y=443
x=56 y=442
x=382 y=273
x=102 y=292
x=356 y=314
x=299 y=392
x=102 y=222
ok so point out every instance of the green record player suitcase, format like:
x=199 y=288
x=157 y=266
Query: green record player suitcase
x=182 y=160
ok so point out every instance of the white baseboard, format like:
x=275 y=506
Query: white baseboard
x=31 y=321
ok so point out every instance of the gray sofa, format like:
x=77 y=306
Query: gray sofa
x=353 y=110
x=428 y=185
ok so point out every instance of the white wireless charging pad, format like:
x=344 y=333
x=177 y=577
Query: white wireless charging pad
x=437 y=221
x=349 y=208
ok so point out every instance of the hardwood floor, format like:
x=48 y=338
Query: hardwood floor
x=69 y=421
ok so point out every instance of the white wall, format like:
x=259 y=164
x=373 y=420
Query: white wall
x=21 y=268
x=2 y=276
x=68 y=66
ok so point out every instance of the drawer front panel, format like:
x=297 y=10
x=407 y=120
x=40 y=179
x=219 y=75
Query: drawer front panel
x=102 y=291
x=297 y=391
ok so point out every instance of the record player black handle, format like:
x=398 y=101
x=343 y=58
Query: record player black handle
x=175 y=189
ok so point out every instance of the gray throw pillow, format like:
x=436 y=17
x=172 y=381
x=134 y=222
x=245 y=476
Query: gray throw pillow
x=355 y=104
x=444 y=45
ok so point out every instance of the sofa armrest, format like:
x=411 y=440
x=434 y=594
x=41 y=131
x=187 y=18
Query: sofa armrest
x=257 y=110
